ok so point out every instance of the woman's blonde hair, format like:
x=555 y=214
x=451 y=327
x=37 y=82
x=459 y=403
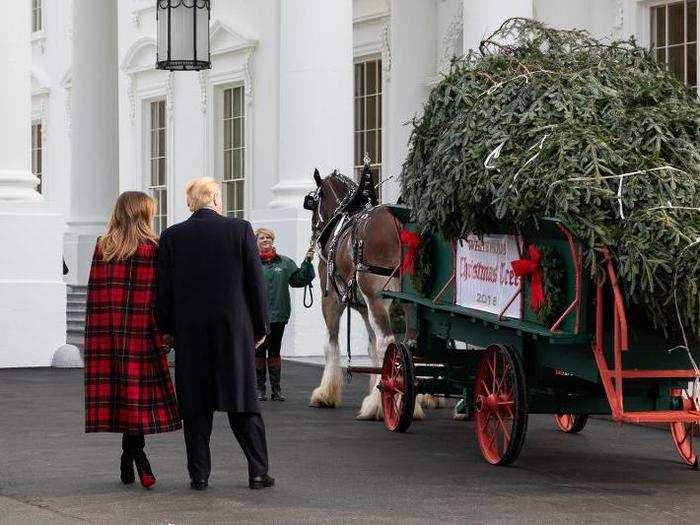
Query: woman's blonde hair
x=268 y=231
x=131 y=224
x=201 y=192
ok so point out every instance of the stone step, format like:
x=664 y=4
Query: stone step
x=73 y=326
x=78 y=317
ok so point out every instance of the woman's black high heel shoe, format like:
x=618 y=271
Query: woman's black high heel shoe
x=143 y=467
x=127 y=469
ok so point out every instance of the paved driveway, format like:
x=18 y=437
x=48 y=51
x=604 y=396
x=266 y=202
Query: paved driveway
x=331 y=468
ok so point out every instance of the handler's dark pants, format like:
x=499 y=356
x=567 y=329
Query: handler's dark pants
x=249 y=430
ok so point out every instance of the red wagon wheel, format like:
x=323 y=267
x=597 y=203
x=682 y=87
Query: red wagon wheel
x=398 y=388
x=682 y=435
x=571 y=423
x=500 y=401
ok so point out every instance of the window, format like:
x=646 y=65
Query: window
x=368 y=116
x=37 y=152
x=36 y=15
x=158 y=164
x=233 y=179
x=674 y=37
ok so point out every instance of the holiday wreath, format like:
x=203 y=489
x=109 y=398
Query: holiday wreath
x=553 y=123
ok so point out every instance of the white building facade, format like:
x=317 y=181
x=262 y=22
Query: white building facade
x=294 y=85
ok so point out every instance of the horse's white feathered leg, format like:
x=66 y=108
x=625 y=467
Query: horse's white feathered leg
x=378 y=314
x=329 y=393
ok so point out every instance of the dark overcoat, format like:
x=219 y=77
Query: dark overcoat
x=211 y=298
x=127 y=380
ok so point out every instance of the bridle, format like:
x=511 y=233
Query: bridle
x=313 y=202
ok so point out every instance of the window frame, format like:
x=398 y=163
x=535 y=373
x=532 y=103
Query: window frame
x=38 y=152
x=37 y=10
x=363 y=60
x=221 y=149
x=646 y=33
x=149 y=158
x=214 y=86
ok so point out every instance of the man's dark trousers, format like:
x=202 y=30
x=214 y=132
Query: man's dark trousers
x=249 y=430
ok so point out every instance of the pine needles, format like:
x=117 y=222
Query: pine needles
x=552 y=123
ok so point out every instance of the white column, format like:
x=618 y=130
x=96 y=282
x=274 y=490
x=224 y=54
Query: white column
x=95 y=130
x=316 y=112
x=32 y=293
x=483 y=18
x=17 y=183
x=315 y=131
x=413 y=44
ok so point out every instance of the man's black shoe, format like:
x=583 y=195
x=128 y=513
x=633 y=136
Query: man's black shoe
x=261 y=482
x=199 y=484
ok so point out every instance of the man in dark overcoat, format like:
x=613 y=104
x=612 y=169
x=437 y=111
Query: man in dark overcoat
x=211 y=300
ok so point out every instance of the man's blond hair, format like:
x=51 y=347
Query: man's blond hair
x=201 y=192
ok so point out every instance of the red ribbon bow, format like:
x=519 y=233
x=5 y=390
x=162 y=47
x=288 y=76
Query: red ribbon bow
x=411 y=241
x=532 y=268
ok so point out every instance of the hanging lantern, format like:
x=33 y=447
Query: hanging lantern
x=183 y=35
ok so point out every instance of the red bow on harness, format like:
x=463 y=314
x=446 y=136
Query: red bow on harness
x=532 y=268
x=411 y=241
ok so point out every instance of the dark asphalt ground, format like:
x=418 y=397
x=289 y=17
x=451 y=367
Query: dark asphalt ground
x=331 y=468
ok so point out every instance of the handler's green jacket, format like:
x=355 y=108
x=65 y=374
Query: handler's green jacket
x=280 y=274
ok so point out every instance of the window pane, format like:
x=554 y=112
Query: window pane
x=359 y=147
x=163 y=203
x=161 y=114
x=238 y=133
x=692 y=22
x=38 y=135
x=692 y=64
x=237 y=102
x=379 y=148
x=236 y=171
x=675 y=23
x=154 y=172
x=676 y=61
x=379 y=111
x=154 y=115
x=660 y=17
x=359 y=79
x=371 y=72
x=162 y=150
x=371 y=145
x=227 y=165
x=379 y=76
x=162 y=172
x=240 y=206
x=227 y=134
x=360 y=112
x=371 y=112
x=38 y=161
x=227 y=103
x=229 y=197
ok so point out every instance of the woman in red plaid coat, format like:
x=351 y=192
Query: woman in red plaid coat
x=127 y=381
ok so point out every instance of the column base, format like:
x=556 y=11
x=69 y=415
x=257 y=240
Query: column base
x=32 y=293
x=19 y=186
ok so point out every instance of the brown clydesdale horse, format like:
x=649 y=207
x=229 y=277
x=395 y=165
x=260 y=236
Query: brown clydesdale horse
x=353 y=240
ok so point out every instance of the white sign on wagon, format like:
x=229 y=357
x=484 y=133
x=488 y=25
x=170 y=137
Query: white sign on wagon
x=485 y=278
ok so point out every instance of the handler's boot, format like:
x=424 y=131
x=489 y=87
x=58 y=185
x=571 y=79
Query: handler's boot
x=274 y=365
x=126 y=466
x=261 y=372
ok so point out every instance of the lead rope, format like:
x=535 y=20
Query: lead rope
x=349 y=372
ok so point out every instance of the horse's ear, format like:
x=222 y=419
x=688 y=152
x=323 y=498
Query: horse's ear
x=317 y=177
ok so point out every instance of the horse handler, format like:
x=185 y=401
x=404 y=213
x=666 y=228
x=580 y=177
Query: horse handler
x=280 y=273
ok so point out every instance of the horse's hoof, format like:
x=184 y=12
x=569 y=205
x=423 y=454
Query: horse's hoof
x=368 y=417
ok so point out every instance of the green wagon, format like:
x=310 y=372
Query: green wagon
x=589 y=358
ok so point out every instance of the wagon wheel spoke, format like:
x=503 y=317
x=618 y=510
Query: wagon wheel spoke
x=504 y=377
x=396 y=399
x=503 y=426
x=493 y=371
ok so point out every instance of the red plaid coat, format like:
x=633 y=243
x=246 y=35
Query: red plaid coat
x=127 y=380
